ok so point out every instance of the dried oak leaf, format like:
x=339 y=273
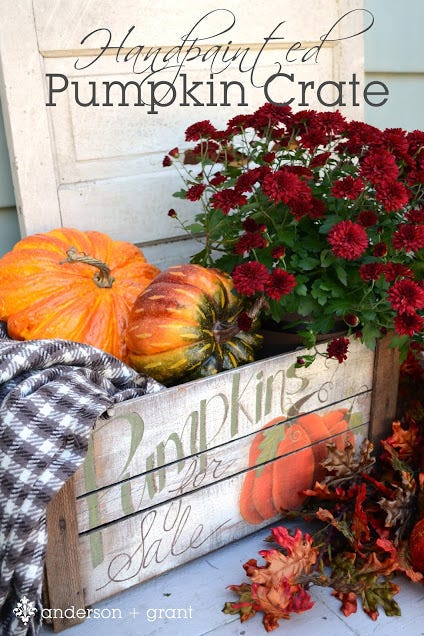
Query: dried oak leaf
x=322 y=491
x=275 y=589
x=279 y=601
x=301 y=556
x=339 y=524
x=400 y=508
x=391 y=455
x=360 y=527
x=366 y=579
x=349 y=602
x=245 y=607
x=380 y=593
x=400 y=561
x=325 y=515
x=345 y=465
x=404 y=440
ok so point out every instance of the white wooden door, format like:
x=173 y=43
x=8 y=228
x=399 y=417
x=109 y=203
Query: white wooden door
x=100 y=166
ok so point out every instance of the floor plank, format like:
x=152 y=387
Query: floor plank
x=198 y=590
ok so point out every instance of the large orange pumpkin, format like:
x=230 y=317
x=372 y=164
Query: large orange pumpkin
x=74 y=285
x=301 y=447
x=184 y=326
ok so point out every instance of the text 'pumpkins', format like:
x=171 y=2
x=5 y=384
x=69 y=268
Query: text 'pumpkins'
x=71 y=284
x=184 y=326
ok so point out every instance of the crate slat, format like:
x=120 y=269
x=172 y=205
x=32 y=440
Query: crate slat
x=162 y=481
x=205 y=413
x=144 y=545
x=153 y=487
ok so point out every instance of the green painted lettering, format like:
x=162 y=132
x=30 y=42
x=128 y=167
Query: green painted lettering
x=269 y=392
x=237 y=405
x=210 y=427
x=259 y=393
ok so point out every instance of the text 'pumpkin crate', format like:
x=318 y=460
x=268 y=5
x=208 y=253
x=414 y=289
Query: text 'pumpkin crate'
x=174 y=475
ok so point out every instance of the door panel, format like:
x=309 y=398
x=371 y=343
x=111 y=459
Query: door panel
x=100 y=167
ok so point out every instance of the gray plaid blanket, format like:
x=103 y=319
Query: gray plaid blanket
x=51 y=393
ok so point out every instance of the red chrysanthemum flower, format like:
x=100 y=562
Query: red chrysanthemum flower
x=302 y=120
x=238 y=123
x=351 y=319
x=227 y=200
x=338 y=348
x=415 y=216
x=414 y=176
x=379 y=167
x=281 y=185
x=367 y=218
x=395 y=270
x=380 y=249
x=200 y=130
x=302 y=205
x=172 y=214
x=251 y=277
x=392 y=195
x=244 y=322
x=300 y=171
x=313 y=138
x=406 y=296
x=250 y=225
x=207 y=148
x=415 y=141
x=360 y=135
x=408 y=324
x=371 y=271
x=331 y=122
x=191 y=158
x=281 y=284
x=278 y=252
x=174 y=152
x=249 y=241
x=409 y=237
x=218 y=179
x=195 y=192
x=247 y=180
x=166 y=161
x=347 y=188
x=269 y=114
x=396 y=141
x=268 y=157
x=348 y=240
x=320 y=159
x=316 y=208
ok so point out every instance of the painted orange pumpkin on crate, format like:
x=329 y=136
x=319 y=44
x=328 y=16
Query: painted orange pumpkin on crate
x=74 y=285
x=277 y=484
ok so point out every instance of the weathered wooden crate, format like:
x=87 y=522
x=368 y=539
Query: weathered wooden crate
x=162 y=481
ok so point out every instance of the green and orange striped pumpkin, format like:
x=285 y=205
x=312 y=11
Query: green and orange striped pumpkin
x=184 y=326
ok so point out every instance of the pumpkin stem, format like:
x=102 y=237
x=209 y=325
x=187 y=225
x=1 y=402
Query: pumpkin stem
x=102 y=278
x=224 y=331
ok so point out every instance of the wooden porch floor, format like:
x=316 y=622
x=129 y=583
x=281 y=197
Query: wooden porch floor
x=198 y=591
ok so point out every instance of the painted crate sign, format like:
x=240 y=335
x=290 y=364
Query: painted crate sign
x=174 y=475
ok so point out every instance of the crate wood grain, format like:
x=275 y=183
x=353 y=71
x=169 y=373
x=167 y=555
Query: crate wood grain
x=163 y=477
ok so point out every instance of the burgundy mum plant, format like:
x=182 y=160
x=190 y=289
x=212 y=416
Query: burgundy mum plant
x=315 y=216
